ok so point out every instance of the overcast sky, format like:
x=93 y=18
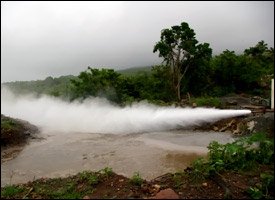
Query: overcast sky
x=40 y=39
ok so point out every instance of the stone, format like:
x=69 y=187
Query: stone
x=204 y=184
x=166 y=194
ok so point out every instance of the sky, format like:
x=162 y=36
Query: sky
x=41 y=39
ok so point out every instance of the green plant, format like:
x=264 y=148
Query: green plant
x=255 y=193
x=136 y=179
x=10 y=190
x=200 y=170
x=207 y=101
x=244 y=153
x=178 y=179
x=107 y=171
x=91 y=177
x=267 y=182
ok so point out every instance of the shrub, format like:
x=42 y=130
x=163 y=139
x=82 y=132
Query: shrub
x=136 y=179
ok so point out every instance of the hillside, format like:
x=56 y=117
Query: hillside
x=51 y=86
x=135 y=70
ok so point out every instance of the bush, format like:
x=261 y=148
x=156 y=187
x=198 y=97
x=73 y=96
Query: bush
x=243 y=154
x=136 y=179
x=207 y=101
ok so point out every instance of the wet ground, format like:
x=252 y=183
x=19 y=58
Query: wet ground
x=151 y=154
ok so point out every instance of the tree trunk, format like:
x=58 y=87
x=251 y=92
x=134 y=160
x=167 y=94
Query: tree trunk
x=178 y=91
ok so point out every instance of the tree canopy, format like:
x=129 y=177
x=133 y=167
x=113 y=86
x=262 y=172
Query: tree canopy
x=180 y=50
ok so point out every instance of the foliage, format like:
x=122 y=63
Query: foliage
x=242 y=154
x=177 y=179
x=7 y=123
x=249 y=72
x=107 y=171
x=199 y=171
x=255 y=193
x=207 y=101
x=180 y=50
x=136 y=179
x=58 y=87
x=95 y=82
x=91 y=177
x=10 y=191
x=188 y=68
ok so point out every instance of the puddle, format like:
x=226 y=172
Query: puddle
x=151 y=154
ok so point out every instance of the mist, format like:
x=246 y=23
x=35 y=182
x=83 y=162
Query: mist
x=97 y=115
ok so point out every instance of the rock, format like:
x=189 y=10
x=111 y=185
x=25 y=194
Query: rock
x=204 y=184
x=166 y=194
x=86 y=197
x=215 y=128
x=250 y=125
x=265 y=123
x=157 y=187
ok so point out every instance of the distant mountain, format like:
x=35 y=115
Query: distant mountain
x=135 y=70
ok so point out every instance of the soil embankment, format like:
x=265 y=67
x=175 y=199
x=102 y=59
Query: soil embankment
x=15 y=134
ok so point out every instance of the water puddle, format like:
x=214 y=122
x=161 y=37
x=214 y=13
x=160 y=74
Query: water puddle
x=150 y=154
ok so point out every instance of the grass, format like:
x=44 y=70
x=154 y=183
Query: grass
x=8 y=124
x=11 y=191
x=207 y=101
x=107 y=171
x=90 y=177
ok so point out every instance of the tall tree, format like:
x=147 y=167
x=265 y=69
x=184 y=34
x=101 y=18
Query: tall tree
x=179 y=47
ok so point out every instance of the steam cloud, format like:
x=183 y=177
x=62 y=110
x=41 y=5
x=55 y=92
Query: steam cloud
x=97 y=115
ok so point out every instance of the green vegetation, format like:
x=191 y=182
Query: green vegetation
x=244 y=154
x=58 y=87
x=107 y=171
x=188 y=68
x=207 y=101
x=7 y=124
x=135 y=70
x=11 y=131
x=136 y=179
x=90 y=177
x=10 y=191
x=246 y=157
x=180 y=50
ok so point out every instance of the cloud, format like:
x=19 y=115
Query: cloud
x=40 y=39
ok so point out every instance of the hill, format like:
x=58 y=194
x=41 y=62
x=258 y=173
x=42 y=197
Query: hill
x=135 y=70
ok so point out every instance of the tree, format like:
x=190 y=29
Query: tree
x=179 y=48
x=95 y=82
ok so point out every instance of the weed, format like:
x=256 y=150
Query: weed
x=178 y=179
x=136 y=179
x=10 y=191
x=244 y=153
x=255 y=193
x=91 y=177
x=200 y=170
x=107 y=171
x=207 y=101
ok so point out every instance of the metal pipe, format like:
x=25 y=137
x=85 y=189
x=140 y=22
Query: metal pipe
x=272 y=93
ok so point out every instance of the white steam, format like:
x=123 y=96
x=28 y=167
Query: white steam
x=97 y=115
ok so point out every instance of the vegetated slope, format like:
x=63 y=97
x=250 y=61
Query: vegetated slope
x=135 y=70
x=15 y=131
x=51 y=86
